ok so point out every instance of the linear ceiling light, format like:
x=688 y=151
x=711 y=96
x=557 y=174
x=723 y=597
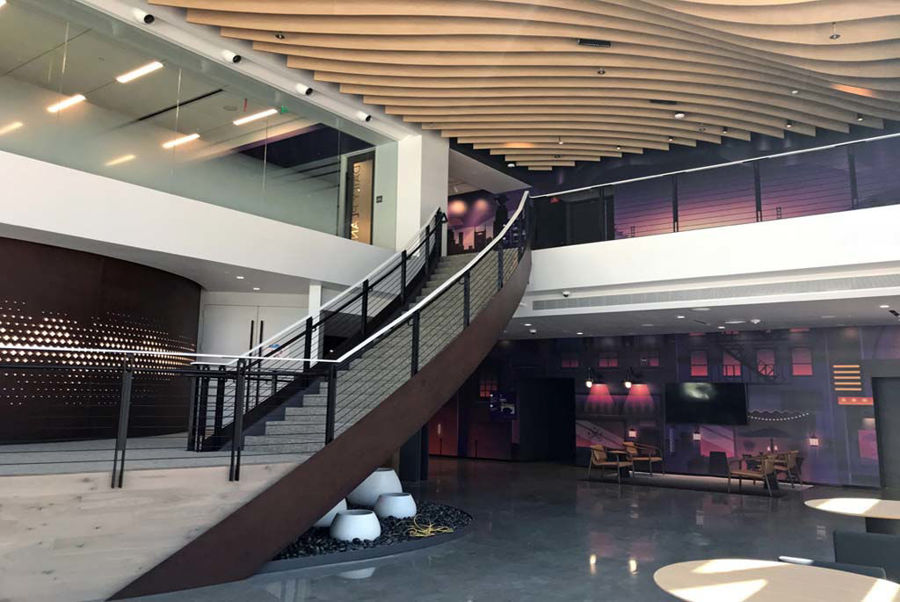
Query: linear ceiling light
x=120 y=160
x=10 y=127
x=255 y=116
x=65 y=104
x=139 y=72
x=594 y=43
x=180 y=141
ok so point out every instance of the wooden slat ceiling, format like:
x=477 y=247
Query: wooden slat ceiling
x=548 y=83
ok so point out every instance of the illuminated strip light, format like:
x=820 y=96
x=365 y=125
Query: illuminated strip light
x=856 y=366
x=856 y=401
x=255 y=116
x=139 y=72
x=180 y=141
x=10 y=127
x=120 y=160
x=65 y=104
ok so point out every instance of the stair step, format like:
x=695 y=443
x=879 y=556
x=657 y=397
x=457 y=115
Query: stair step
x=309 y=431
x=276 y=445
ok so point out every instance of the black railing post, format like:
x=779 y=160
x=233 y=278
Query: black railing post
x=427 y=251
x=193 y=415
x=118 y=471
x=202 y=410
x=851 y=169
x=674 y=203
x=414 y=359
x=331 y=407
x=403 y=277
x=365 y=306
x=757 y=191
x=499 y=267
x=237 y=425
x=441 y=231
x=307 y=343
x=219 y=415
x=466 y=303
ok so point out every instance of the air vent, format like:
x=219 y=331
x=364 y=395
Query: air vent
x=594 y=43
x=659 y=101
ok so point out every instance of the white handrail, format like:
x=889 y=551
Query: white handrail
x=339 y=296
x=447 y=284
x=717 y=165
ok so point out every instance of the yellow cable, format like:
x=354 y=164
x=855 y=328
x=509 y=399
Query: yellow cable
x=428 y=530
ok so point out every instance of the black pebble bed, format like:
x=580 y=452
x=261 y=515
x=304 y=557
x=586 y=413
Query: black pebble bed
x=393 y=530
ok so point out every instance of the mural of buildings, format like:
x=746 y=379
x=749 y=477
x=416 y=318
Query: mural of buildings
x=475 y=217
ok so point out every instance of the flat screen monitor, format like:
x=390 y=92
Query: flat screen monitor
x=706 y=403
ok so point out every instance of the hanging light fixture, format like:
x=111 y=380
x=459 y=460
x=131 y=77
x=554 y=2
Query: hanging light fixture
x=632 y=432
x=630 y=378
x=589 y=381
x=697 y=436
x=813 y=440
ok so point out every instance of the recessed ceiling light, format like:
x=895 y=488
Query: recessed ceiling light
x=527 y=323
x=533 y=331
x=679 y=317
x=795 y=92
x=510 y=164
x=618 y=147
x=735 y=321
x=180 y=141
x=65 y=104
x=671 y=139
x=120 y=160
x=859 y=117
x=828 y=317
x=724 y=130
x=884 y=306
x=560 y=141
x=700 y=309
x=256 y=288
x=239 y=277
x=755 y=320
x=834 y=34
x=279 y=35
x=255 y=116
x=579 y=333
x=647 y=325
x=139 y=72
x=601 y=71
x=679 y=115
x=10 y=127
x=720 y=327
x=789 y=124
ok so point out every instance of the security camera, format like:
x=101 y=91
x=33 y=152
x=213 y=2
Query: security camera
x=149 y=19
x=566 y=293
x=142 y=17
x=231 y=56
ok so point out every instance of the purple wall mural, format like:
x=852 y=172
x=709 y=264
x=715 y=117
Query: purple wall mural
x=808 y=389
x=475 y=217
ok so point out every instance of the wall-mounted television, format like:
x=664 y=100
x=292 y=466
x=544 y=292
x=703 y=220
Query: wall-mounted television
x=706 y=403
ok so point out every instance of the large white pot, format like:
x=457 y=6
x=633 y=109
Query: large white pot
x=383 y=480
x=398 y=505
x=355 y=524
x=326 y=520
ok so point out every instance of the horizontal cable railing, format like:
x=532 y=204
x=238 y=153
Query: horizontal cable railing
x=829 y=179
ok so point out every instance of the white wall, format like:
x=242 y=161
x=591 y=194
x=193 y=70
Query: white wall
x=225 y=318
x=47 y=197
x=860 y=238
x=422 y=172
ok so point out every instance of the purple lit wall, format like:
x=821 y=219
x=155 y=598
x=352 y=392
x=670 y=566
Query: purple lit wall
x=472 y=219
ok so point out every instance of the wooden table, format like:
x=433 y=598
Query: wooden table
x=882 y=516
x=741 y=579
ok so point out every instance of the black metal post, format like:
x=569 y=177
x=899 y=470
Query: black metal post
x=851 y=168
x=403 y=277
x=307 y=343
x=414 y=360
x=674 y=203
x=202 y=410
x=499 y=267
x=428 y=251
x=757 y=191
x=365 y=306
x=441 y=231
x=219 y=416
x=259 y=352
x=193 y=416
x=331 y=408
x=237 y=425
x=118 y=471
x=466 y=302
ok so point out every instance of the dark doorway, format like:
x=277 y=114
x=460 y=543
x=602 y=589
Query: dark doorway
x=887 y=424
x=546 y=420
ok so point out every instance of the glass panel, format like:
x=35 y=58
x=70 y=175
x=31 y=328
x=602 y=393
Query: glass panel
x=644 y=208
x=716 y=197
x=805 y=184
x=877 y=176
x=84 y=91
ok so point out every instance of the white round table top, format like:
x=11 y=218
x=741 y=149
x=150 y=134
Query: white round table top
x=858 y=506
x=741 y=579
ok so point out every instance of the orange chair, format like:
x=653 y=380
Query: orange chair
x=639 y=452
x=602 y=458
x=762 y=473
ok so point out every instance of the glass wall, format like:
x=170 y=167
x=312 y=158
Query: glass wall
x=84 y=91
x=851 y=176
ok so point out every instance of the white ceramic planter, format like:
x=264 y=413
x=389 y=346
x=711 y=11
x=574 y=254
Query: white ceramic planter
x=398 y=505
x=326 y=520
x=355 y=524
x=383 y=480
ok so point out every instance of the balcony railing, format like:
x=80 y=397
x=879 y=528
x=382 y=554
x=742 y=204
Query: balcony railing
x=840 y=177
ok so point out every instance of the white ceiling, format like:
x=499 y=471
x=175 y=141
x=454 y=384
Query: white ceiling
x=798 y=314
x=467 y=175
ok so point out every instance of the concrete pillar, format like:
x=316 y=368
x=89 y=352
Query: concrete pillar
x=315 y=304
x=422 y=173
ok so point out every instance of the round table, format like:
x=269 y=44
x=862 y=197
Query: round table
x=881 y=516
x=741 y=579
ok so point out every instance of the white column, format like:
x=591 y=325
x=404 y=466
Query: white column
x=315 y=304
x=422 y=172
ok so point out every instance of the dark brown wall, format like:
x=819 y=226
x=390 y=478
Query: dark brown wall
x=57 y=297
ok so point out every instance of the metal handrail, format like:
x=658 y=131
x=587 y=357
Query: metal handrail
x=302 y=322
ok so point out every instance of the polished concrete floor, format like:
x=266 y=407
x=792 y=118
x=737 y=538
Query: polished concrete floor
x=537 y=528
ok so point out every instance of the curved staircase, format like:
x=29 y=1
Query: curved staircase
x=360 y=409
